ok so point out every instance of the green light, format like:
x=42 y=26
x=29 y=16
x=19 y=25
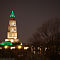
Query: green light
x=6 y=43
x=12 y=11
x=1 y=43
x=12 y=14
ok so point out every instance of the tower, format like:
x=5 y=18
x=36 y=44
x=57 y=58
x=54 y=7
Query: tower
x=12 y=29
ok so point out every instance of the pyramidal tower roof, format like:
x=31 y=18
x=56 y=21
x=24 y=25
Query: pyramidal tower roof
x=12 y=14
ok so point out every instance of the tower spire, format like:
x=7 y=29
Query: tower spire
x=12 y=29
x=12 y=14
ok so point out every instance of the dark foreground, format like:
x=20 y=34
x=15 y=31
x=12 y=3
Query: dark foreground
x=25 y=55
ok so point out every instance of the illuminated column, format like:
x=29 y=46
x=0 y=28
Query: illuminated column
x=12 y=29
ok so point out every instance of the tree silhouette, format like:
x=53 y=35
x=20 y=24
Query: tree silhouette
x=48 y=35
x=47 y=31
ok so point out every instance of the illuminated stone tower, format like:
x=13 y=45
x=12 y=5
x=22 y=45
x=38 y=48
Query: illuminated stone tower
x=12 y=29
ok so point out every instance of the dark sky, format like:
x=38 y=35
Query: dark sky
x=29 y=15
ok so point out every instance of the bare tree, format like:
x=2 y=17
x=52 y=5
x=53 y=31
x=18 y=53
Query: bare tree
x=47 y=32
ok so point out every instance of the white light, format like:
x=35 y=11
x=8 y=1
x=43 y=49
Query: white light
x=12 y=40
x=25 y=48
x=14 y=37
x=14 y=24
x=12 y=30
x=21 y=44
x=45 y=48
x=6 y=39
x=12 y=47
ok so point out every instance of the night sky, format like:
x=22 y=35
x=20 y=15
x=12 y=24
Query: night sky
x=29 y=15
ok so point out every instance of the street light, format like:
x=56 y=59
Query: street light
x=25 y=48
x=19 y=47
x=6 y=47
x=12 y=47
